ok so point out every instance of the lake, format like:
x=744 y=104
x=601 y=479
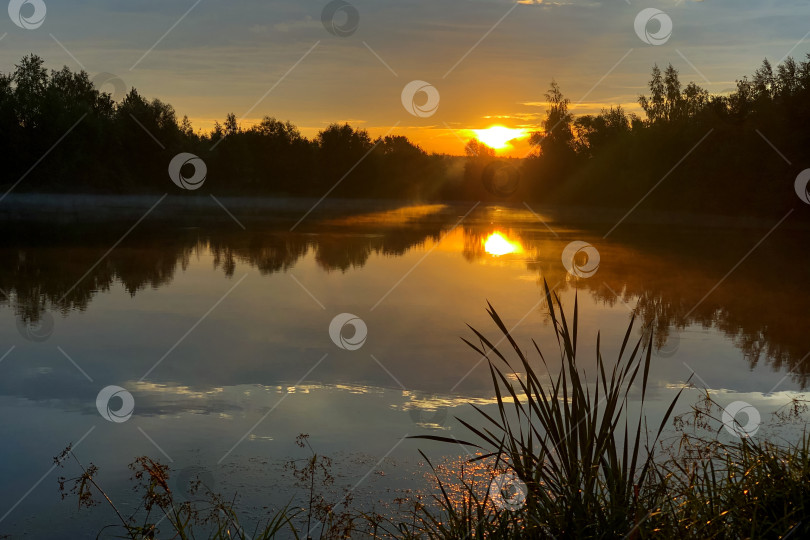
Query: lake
x=235 y=335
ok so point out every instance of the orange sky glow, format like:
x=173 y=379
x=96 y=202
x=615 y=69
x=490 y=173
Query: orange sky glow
x=450 y=139
x=490 y=61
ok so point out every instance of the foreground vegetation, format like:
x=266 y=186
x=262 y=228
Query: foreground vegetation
x=714 y=150
x=578 y=467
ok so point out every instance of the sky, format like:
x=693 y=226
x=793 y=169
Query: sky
x=482 y=62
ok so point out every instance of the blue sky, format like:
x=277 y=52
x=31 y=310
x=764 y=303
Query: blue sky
x=223 y=56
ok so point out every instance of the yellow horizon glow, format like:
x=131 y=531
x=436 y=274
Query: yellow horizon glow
x=499 y=137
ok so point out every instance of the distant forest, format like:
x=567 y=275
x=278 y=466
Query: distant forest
x=712 y=149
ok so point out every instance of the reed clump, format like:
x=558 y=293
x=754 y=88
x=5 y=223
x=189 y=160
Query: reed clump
x=563 y=456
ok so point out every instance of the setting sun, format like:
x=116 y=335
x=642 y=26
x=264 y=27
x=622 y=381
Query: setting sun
x=498 y=137
x=496 y=244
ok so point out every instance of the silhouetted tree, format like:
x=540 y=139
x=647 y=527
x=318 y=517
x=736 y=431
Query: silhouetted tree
x=555 y=142
x=610 y=158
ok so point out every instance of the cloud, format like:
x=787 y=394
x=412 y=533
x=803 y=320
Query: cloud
x=223 y=56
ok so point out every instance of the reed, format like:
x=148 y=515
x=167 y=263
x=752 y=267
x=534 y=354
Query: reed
x=590 y=467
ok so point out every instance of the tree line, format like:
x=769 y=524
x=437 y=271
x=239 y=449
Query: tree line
x=736 y=153
x=106 y=146
x=715 y=152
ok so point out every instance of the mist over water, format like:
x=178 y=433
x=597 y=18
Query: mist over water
x=222 y=335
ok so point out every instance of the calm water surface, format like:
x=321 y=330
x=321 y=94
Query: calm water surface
x=222 y=338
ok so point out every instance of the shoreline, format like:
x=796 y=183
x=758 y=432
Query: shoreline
x=66 y=209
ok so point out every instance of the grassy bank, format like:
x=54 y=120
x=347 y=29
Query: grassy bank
x=561 y=456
